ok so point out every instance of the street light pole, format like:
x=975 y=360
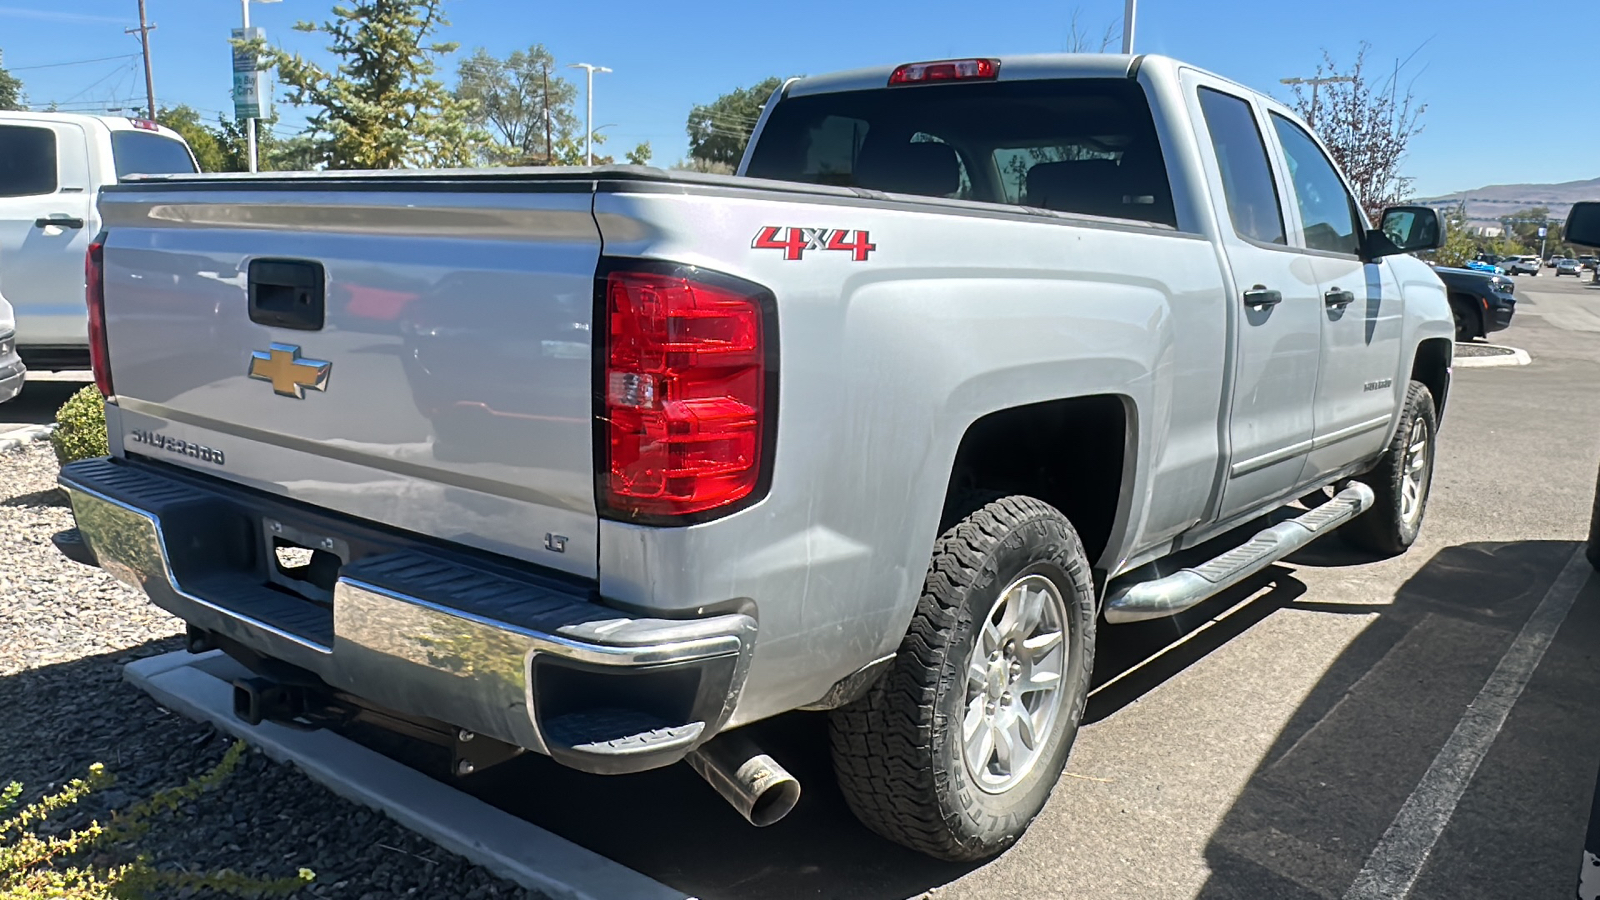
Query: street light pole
x=588 y=118
x=250 y=124
x=1311 y=118
x=1129 y=10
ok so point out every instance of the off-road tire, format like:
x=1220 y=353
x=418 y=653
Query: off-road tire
x=897 y=751
x=1382 y=529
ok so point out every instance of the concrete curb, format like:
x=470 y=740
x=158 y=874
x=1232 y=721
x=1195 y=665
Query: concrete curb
x=516 y=850
x=27 y=434
x=1515 y=358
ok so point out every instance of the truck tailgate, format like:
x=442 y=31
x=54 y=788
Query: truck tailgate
x=445 y=389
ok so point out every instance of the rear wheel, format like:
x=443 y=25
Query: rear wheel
x=957 y=747
x=1400 y=482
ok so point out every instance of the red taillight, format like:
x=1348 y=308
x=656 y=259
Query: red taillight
x=946 y=70
x=94 y=288
x=684 y=395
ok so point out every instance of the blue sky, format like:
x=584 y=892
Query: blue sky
x=1490 y=74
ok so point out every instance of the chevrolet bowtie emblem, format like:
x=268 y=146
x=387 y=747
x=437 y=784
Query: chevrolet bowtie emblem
x=290 y=375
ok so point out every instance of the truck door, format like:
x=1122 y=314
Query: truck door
x=1278 y=319
x=45 y=198
x=1357 y=387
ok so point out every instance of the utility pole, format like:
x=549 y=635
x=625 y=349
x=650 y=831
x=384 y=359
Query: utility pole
x=1129 y=10
x=1316 y=83
x=588 y=94
x=144 y=30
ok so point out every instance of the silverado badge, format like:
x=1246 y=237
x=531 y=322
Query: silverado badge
x=290 y=375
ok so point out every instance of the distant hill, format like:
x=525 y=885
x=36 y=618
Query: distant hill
x=1488 y=204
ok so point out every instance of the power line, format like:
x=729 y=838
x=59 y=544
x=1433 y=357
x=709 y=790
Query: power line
x=76 y=62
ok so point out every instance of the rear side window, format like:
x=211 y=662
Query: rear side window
x=1077 y=145
x=144 y=153
x=1246 y=175
x=27 y=161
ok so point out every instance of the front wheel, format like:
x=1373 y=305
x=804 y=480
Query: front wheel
x=1400 y=482
x=957 y=747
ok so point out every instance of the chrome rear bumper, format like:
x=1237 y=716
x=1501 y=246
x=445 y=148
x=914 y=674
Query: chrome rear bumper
x=531 y=660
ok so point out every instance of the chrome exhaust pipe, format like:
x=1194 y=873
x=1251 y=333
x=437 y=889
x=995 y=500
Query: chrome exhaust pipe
x=760 y=789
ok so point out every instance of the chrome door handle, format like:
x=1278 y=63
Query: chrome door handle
x=1259 y=296
x=1337 y=297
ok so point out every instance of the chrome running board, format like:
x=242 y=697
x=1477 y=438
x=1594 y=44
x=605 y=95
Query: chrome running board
x=1182 y=589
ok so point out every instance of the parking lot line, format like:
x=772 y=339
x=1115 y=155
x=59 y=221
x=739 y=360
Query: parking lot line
x=1395 y=863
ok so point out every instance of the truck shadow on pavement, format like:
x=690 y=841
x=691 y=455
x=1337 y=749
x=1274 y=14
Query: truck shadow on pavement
x=1360 y=743
x=1303 y=824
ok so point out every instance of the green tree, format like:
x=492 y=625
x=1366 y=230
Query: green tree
x=11 y=96
x=1458 y=243
x=381 y=107
x=273 y=153
x=519 y=100
x=1523 y=226
x=640 y=155
x=719 y=131
x=208 y=151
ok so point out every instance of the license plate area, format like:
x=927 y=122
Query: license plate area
x=302 y=562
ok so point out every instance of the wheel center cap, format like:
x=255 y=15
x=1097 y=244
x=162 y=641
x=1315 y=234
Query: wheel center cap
x=997 y=680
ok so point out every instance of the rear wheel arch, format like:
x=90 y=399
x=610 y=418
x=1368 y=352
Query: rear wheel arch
x=1075 y=454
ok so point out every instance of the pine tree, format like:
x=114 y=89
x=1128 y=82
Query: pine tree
x=381 y=108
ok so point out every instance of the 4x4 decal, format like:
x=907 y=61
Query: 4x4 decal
x=794 y=242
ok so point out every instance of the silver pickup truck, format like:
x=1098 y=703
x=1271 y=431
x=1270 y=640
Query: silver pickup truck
x=971 y=359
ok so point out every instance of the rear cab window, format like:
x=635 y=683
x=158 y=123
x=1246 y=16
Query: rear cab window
x=1074 y=145
x=149 y=153
x=27 y=161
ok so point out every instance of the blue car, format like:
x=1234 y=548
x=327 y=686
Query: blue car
x=1479 y=265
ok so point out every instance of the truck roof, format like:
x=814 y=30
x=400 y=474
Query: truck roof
x=1012 y=68
x=110 y=123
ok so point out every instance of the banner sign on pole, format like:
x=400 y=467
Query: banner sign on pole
x=249 y=79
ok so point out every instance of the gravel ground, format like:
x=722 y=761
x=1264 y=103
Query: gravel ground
x=65 y=632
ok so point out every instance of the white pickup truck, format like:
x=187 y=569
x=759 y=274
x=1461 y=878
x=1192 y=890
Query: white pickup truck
x=52 y=168
x=973 y=358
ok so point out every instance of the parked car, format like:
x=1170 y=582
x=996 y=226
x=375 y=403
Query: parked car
x=1479 y=265
x=1480 y=302
x=1568 y=267
x=1586 y=261
x=12 y=372
x=52 y=168
x=1521 y=265
x=983 y=447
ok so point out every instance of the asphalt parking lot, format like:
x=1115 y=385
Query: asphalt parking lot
x=40 y=398
x=1330 y=729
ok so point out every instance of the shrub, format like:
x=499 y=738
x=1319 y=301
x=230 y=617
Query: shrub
x=85 y=864
x=81 y=427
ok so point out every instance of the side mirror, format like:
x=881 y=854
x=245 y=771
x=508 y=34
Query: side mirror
x=1583 y=224
x=1405 y=229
